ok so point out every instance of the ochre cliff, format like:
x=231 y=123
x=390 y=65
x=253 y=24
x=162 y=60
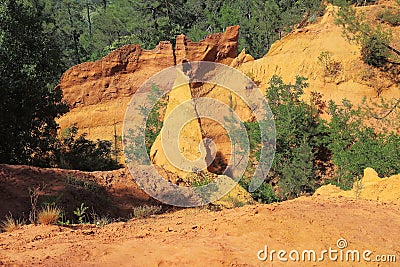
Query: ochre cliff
x=120 y=73
x=298 y=53
x=99 y=92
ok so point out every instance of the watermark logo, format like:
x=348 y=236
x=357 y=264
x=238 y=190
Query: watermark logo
x=341 y=243
x=339 y=254
x=184 y=111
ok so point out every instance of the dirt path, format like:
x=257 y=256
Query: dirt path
x=199 y=237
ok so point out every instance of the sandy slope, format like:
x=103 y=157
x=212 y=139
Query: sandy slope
x=199 y=237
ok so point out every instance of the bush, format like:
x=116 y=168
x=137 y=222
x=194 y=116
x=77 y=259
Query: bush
x=306 y=145
x=373 y=49
x=49 y=214
x=355 y=146
x=301 y=143
x=155 y=117
x=374 y=40
x=298 y=173
x=79 y=153
x=301 y=138
x=390 y=17
x=265 y=194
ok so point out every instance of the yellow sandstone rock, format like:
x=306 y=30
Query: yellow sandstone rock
x=191 y=145
x=370 y=187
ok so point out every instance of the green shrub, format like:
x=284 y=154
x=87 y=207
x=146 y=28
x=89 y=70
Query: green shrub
x=79 y=153
x=390 y=17
x=373 y=49
x=265 y=194
x=301 y=142
x=155 y=117
x=331 y=67
x=301 y=138
x=355 y=146
x=298 y=173
x=374 y=40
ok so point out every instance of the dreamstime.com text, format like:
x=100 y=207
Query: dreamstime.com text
x=338 y=254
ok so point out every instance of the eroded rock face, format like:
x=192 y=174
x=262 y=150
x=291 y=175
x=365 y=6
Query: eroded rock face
x=99 y=92
x=123 y=71
x=370 y=187
x=117 y=75
x=218 y=47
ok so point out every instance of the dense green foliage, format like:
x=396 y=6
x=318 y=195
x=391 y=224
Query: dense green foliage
x=31 y=63
x=374 y=40
x=79 y=153
x=90 y=29
x=29 y=70
x=355 y=146
x=301 y=142
x=306 y=145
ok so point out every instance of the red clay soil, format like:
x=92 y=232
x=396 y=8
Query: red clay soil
x=111 y=193
x=200 y=237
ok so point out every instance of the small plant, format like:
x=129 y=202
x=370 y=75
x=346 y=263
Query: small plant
x=251 y=75
x=332 y=68
x=104 y=220
x=357 y=187
x=49 y=214
x=10 y=224
x=146 y=211
x=34 y=193
x=200 y=183
x=80 y=212
x=237 y=203
x=62 y=219
x=100 y=221
x=198 y=178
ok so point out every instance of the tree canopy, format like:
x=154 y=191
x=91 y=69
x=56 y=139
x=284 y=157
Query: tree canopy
x=90 y=28
x=30 y=65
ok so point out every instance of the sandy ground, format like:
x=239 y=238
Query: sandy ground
x=200 y=237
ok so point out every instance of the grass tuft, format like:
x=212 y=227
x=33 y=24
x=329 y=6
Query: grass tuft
x=146 y=211
x=10 y=224
x=49 y=215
